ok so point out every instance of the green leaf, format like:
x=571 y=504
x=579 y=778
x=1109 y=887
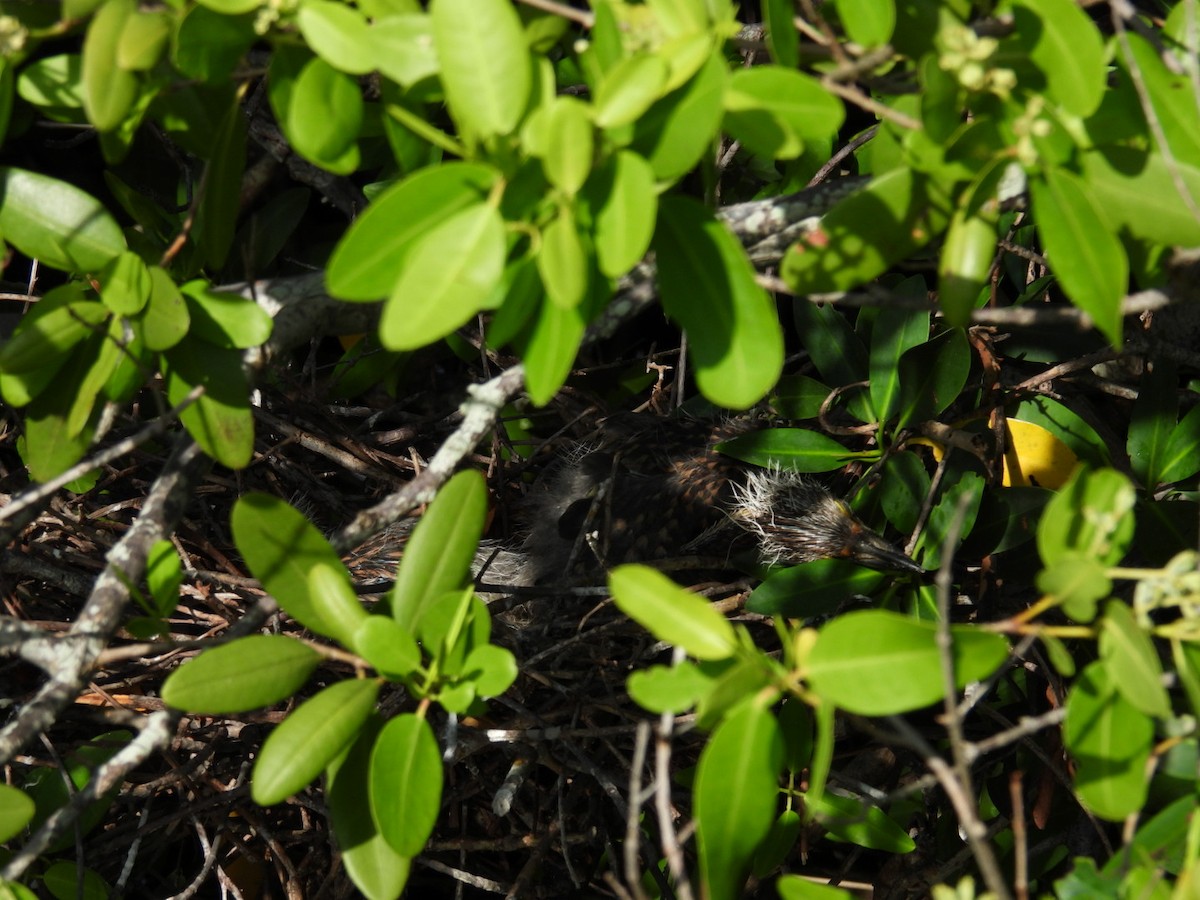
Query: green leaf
x=56 y=223
x=62 y=880
x=932 y=376
x=1066 y=425
x=485 y=64
x=878 y=663
x=1138 y=193
x=310 y=738
x=245 y=674
x=773 y=110
x=406 y=783
x=164 y=575
x=783 y=40
x=868 y=22
x=628 y=90
x=1181 y=458
x=708 y=286
x=1152 y=422
x=371 y=256
x=216 y=217
x=226 y=319
x=324 y=117
x=375 y=868
x=1065 y=44
x=55 y=83
x=624 y=205
x=490 y=670
x=799 y=397
x=125 y=284
x=852 y=820
x=437 y=558
x=1086 y=256
x=108 y=90
x=798 y=449
x=675 y=132
x=1132 y=662
x=220 y=421
x=735 y=796
x=388 y=647
x=164 y=321
x=41 y=338
x=964 y=265
x=563 y=261
x=143 y=40
x=1110 y=741
x=895 y=332
x=813 y=589
x=1169 y=93
x=337 y=33
x=797 y=887
x=670 y=613
x=16 y=809
x=672 y=689
x=208 y=45
x=283 y=549
x=863 y=235
x=404 y=50
x=1077 y=582
x=779 y=842
x=567 y=157
x=448 y=278
x=550 y=350
x=1092 y=514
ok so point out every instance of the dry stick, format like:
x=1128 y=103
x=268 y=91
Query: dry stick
x=632 y=826
x=969 y=820
x=662 y=779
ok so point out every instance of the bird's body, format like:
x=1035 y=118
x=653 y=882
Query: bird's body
x=653 y=488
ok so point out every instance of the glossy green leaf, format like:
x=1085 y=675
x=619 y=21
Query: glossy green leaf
x=1086 y=256
x=878 y=663
x=39 y=338
x=1169 y=93
x=859 y=823
x=53 y=83
x=491 y=670
x=404 y=50
x=932 y=376
x=1152 y=422
x=1077 y=582
x=672 y=689
x=563 y=261
x=208 y=45
x=964 y=265
x=216 y=217
x=863 y=235
x=62 y=879
x=735 y=797
x=220 y=420
x=282 y=549
x=388 y=647
x=670 y=613
x=49 y=446
x=165 y=320
x=783 y=40
x=1132 y=661
x=125 y=284
x=1110 y=742
x=143 y=40
x=675 y=132
x=1064 y=43
x=1092 y=514
x=624 y=206
x=370 y=257
x=164 y=575
x=406 y=783
x=104 y=354
x=1139 y=193
x=226 y=319
x=446 y=280
x=735 y=680
x=324 y=117
x=485 y=64
x=337 y=33
x=1181 y=457
x=16 y=809
x=246 y=674
x=375 y=868
x=944 y=517
x=799 y=449
x=708 y=286
x=108 y=90
x=567 y=157
x=771 y=110
x=628 y=89
x=812 y=589
x=799 y=397
x=310 y=738
x=895 y=332
x=778 y=844
x=797 y=887
x=868 y=22
x=437 y=558
x=56 y=223
x=550 y=350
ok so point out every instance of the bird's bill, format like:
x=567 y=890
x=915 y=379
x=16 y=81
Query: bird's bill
x=871 y=550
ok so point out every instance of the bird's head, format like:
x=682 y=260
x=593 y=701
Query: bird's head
x=797 y=520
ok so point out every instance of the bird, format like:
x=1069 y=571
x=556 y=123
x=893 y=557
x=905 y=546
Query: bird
x=652 y=487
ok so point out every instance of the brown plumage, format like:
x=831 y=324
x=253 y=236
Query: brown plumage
x=655 y=488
